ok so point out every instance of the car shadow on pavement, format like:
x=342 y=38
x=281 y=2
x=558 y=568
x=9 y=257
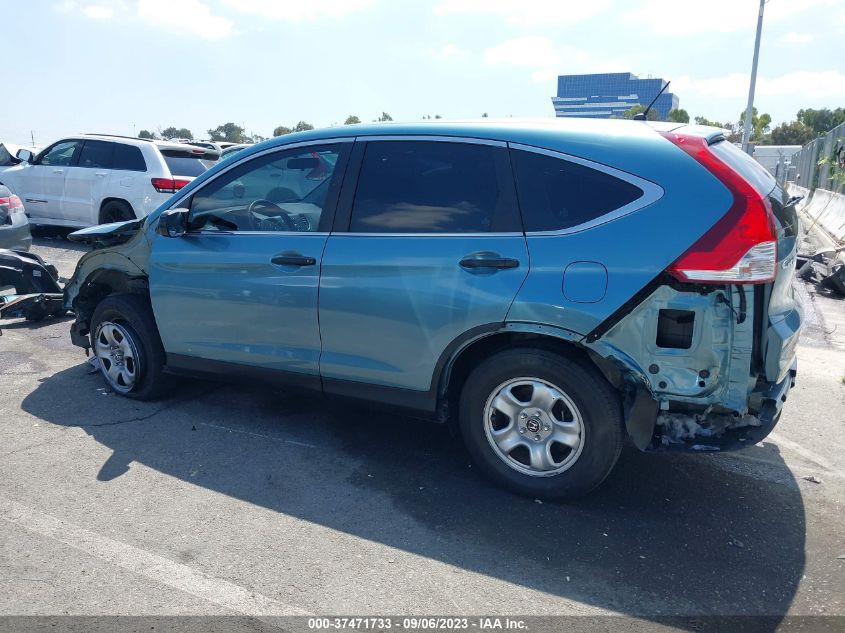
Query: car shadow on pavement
x=23 y=324
x=665 y=535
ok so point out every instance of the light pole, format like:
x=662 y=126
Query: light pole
x=746 y=129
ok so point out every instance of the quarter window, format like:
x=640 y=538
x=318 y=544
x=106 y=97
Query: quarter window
x=432 y=187
x=128 y=158
x=95 y=154
x=557 y=194
x=283 y=191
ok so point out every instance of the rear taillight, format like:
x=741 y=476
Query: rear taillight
x=169 y=185
x=741 y=248
x=12 y=202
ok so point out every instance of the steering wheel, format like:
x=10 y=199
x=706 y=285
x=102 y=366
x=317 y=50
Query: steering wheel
x=283 y=217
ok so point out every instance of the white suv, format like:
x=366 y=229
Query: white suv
x=93 y=179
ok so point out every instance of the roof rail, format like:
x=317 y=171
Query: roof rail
x=134 y=138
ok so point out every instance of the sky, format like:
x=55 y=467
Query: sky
x=119 y=66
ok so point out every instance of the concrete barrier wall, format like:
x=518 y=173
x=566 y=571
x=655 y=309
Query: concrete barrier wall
x=824 y=207
x=794 y=190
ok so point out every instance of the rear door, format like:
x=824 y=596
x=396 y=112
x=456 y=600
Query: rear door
x=85 y=182
x=779 y=313
x=429 y=247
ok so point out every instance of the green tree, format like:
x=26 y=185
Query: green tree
x=173 y=132
x=821 y=121
x=282 y=130
x=228 y=132
x=700 y=120
x=678 y=116
x=636 y=109
x=793 y=133
x=147 y=134
x=302 y=126
x=759 y=125
x=384 y=117
x=351 y=120
x=484 y=116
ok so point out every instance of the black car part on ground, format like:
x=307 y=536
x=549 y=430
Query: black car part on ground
x=824 y=269
x=36 y=283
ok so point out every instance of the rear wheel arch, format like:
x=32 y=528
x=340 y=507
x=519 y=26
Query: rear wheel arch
x=112 y=203
x=457 y=367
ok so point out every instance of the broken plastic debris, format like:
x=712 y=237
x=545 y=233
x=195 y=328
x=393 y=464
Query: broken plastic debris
x=94 y=364
x=812 y=479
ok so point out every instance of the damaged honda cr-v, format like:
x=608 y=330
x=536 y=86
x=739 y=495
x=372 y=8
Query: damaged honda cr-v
x=548 y=286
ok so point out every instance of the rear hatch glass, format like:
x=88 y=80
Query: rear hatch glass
x=186 y=164
x=747 y=167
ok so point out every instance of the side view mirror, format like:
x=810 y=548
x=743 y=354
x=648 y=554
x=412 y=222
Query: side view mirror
x=24 y=155
x=173 y=223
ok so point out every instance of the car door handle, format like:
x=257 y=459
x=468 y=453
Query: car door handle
x=101 y=174
x=472 y=262
x=58 y=171
x=293 y=260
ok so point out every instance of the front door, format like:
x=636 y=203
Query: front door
x=42 y=183
x=241 y=286
x=434 y=251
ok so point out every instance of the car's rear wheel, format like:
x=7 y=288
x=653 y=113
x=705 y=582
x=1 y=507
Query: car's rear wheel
x=125 y=340
x=541 y=424
x=116 y=211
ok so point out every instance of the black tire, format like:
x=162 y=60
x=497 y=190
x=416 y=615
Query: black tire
x=597 y=402
x=116 y=211
x=134 y=315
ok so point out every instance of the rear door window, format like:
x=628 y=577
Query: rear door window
x=556 y=194
x=433 y=187
x=128 y=158
x=96 y=155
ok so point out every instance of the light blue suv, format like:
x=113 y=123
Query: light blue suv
x=549 y=286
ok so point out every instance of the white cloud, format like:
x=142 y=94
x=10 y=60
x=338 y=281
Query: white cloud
x=548 y=59
x=527 y=11
x=819 y=84
x=449 y=50
x=93 y=11
x=670 y=17
x=98 y=12
x=185 y=16
x=795 y=38
x=299 y=10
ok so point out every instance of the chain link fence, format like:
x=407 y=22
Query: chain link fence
x=820 y=164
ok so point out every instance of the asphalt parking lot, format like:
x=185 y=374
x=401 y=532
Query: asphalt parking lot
x=244 y=500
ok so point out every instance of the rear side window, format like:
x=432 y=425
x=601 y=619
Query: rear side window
x=757 y=175
x=128 y=158
x=432 y=187
x=184 y=165
x=96 y=155
x=557 y=194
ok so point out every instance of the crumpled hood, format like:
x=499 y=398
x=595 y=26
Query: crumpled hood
x=107 y=234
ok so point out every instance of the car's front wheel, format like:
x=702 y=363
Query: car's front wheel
x=125 y=340
x=541 y=424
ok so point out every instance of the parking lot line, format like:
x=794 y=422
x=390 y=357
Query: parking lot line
x=152 y=566
x=261 y=435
